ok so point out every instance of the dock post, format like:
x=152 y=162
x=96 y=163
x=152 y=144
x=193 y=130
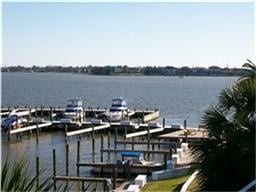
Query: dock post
x=165 y=161
x=51 y=113
x=67 y=150
x=41 y=111
x=9 y=133
x=84 y=113
x=148 y=145
x=132 y=143
x=114 y=177
x=115 y=139
x=37 y=172
x=101 y=152
x=153 y=149
x=54 y=169
x=185 y=127
x=170 y=153
x=66 y=131
x=159 y=143
x=101 y=147
x=36 y=111
x=37 y=132
x=78 y=158
x=108 y=144
x=163 y=122
x=93 y=145
x=125 y=133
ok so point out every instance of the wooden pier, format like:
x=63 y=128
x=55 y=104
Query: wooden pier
x=29 y=128
x=87 y=130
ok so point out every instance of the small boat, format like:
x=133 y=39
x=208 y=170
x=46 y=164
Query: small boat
x=16 y=118
x=131 y=163
x=117 y=111
x=74 y=110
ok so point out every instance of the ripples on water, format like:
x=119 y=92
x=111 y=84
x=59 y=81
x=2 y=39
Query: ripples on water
x=177 y=98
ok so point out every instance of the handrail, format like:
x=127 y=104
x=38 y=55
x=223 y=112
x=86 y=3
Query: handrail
x=249 y=186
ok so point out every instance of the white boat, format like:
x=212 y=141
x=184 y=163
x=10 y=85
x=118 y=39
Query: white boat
x=16 y=118
x=132 y=162
x=118 y=110
x=74 y=110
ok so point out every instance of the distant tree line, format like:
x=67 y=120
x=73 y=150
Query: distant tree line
x=125 y=70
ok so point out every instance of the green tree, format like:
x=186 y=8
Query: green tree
x=226 y=160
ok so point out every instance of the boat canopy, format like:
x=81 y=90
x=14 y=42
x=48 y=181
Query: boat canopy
x=131 y=154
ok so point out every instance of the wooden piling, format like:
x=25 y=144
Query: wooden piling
x=101 y=147
x=148 y=145
x=51 y=113
x=132 y=143
x=159 y=142
x=9 y=133
x=109 y=143
x=42 y=111
x=93 y=145
x=115 y=139
x=165 y=161
x=163 y=122
x=54 y=169
x=125 y=133
x=37 y=132
x=78 y=158
x=114 y=177
x=37 y=172
x=185 y=127
x=101 y=152
x=36 y=111
x=67 y=163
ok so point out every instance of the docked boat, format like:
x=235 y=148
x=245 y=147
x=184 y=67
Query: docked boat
x=118 y=110
x=74 y=110
x=131 y=163
x=15 y=119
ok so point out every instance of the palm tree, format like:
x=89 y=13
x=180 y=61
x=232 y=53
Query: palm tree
x=226 y=161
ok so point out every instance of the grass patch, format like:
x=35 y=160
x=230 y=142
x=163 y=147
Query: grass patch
x=167 y=185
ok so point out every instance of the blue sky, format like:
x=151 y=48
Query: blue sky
x=133 y=34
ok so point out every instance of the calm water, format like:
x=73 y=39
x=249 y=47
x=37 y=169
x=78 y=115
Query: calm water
x=177 y=98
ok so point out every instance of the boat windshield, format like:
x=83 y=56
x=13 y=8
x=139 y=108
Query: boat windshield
x=114 y=110
x=70 y=110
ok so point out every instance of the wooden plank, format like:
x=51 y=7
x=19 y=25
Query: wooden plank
x=140 y=133
x=30 y=128
x=87 y=130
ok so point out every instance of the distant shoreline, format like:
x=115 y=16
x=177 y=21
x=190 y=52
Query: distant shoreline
x=126 y=75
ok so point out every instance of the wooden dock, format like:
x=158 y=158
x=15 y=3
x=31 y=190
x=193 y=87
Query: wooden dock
x=87 y=130
x=141 y=133
x=189 y=134
x=47 y=124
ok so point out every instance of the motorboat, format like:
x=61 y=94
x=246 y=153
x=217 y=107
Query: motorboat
x=74 y=110
x=118 y=110
x=132 y=162
x=16 y=118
